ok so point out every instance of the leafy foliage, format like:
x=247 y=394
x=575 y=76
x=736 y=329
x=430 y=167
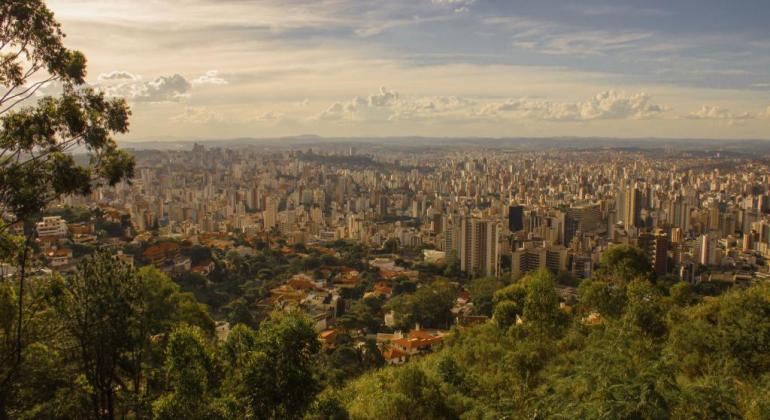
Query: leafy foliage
x=652 y=354
x=429 y=306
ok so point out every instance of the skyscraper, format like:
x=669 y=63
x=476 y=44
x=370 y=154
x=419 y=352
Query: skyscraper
x=585 y=218
x=633 y=208
x=479 y=253
x=515 y=218
x=655 y=245
x=270 y=215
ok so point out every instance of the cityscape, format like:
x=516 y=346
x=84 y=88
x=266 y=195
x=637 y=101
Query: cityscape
x=697 y=215
x=177 y=246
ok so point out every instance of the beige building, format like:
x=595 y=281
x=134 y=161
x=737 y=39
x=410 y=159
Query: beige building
x=478 y=247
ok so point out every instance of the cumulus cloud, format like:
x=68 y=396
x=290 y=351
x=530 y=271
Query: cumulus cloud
x=717 y=113
x=448 y=108
x=118 y=75
x=162 y=89
x=197 y=115
x=165 y=88
x=384 y=98
x=211 y=77
x=388 y=105
x=605 y=105
x=375 y=107
x=335 y=111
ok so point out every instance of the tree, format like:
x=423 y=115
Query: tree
x=36 y=142
x=160 y=308
x=363 y=313
x=482 y=291
x=682 y=294
x=402 y=393
x=165 y=306
x=328 y=407
x=190 y=366
x=45 y=383
x=430 y=306
x=623 y=263
x=36 y=165
x=608 y=299
x=505 y=313
x=515 y=292
x=645 y=309
x=391 y=246
x=98 y=306
x=541 y=306
x=271 y=372
x=728 y=334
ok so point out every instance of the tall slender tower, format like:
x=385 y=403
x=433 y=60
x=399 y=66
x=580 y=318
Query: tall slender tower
x=632 y=208
x=479 y=252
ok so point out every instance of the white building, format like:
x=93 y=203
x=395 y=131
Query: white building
x=52 y=226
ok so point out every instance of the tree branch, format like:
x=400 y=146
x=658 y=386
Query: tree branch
x=24 y=98
x=13 y=57
x=35 y=86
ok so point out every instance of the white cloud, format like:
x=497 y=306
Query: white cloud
x=211 y=77
x=605 y=105
x=162 y=89
x=166 y=88
x=459 y=6
x=717 y=113
x=375 y=107
x=385 y=97
x=388 y=105
x=334 y=112
x=197 y=115
x=118 y=75
x=433 y=108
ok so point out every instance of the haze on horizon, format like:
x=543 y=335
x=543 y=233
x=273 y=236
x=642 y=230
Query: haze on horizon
x=240 y=68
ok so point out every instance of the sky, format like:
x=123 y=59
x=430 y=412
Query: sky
x=205 y=69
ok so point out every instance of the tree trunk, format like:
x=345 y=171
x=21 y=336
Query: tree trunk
x=3 y=408
x=22 y=278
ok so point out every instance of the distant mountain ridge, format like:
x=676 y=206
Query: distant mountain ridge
x=535 y=143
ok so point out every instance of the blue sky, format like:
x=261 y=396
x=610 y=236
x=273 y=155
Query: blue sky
x=225 y=68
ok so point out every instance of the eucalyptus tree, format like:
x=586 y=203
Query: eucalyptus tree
x=39 y=136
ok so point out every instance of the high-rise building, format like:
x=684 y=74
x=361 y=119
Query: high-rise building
x=515 y=218
x=582 y=266
x=586 y=218
x=437 y=223
x=660 y=253
x=478 y=247
x=676 y=235
x=707 y=250
x=632 y=208
x=270 y=215
x=533 y=256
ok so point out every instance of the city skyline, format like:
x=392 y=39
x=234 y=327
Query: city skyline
x=445 y=68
